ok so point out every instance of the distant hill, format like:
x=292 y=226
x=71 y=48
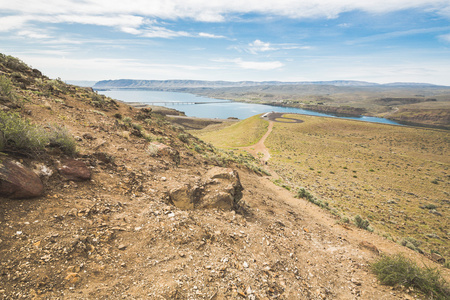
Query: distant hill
x=177 y=84
x=183 y=84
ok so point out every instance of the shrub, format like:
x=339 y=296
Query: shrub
x=7 y=92
x=20 y=135
x=60 y=137
x=361 y=223
x=302 y=193
x=398 y=270
x=430 y=206
x=183 y=137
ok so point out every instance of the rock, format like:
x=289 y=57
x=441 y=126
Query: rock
x=369 y=246
x=222 y=190
x=88 y=136
x=75 y=170
x=18 y=182
x=42 y=170
x=436 y=258
x=219 y=188
x=161 y=150
x=184 y=197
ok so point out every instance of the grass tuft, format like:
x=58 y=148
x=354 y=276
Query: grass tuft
x=398 y=270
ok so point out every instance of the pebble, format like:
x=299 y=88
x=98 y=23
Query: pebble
x=122 y=247
x=245 y=264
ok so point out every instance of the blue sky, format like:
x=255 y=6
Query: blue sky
x=379 y=41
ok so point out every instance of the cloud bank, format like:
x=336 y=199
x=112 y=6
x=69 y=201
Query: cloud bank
x=139 y=16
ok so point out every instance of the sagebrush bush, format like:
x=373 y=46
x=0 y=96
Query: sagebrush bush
x=19 y=135
x=60 y=137
x=398 y=270
x=7 y=91
x=361 y=223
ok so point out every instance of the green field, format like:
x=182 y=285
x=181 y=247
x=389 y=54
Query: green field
x=241 y=134
x=394 y=176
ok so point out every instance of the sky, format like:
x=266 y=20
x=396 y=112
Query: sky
x=260 y=40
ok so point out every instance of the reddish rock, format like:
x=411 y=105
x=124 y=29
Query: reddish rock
x=75 y=170
x=18 y=182
x=369 y=246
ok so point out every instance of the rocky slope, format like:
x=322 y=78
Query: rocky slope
x=144 y=210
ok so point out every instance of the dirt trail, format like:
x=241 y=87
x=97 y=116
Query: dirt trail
x=259 y=147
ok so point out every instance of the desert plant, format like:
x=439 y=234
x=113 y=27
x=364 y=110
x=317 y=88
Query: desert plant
x=183 y=137
x=398 y=270
x=18 y=134
x=60 y=137
x=361 y=223
x=7 y=92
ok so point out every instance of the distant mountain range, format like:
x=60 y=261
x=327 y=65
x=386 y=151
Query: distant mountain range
x=183 y=84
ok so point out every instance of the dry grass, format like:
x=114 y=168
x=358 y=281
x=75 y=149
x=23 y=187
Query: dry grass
x=387 y=174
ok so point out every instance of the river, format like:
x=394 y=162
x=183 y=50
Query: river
x=215 y=108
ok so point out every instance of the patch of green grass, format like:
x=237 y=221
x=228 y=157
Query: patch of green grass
x=244 y=133
x=398 y=270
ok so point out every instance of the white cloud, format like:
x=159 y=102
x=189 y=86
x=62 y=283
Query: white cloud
x=34 y=34
x=445 y=37
x=253 y=65
x=259 y=46
x=115 y=13
x=211 y=36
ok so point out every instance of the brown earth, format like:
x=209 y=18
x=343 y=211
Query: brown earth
x=117 y=236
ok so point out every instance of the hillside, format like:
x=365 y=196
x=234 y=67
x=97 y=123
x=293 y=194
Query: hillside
x=133 y=207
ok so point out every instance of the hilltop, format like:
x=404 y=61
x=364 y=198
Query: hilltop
x=134 y=207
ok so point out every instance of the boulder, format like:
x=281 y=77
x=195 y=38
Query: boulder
x=219 y=188
x=18 y=182
x=184 y=196
x=75 y=170
x=161 y=150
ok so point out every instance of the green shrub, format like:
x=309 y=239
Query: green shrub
x=398 y=270
x=183 y=137
x=430 y=206
x=7 y=91
x=361 y=223
x=60 y=137
x=302 y=193
x=20 y=135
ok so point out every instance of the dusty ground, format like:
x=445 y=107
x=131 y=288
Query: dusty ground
x=117 y=237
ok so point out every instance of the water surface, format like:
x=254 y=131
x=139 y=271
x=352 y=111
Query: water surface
x=215 y=108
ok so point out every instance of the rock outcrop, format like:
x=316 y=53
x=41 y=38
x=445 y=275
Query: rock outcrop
x=18 y=182
x=218 y=188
